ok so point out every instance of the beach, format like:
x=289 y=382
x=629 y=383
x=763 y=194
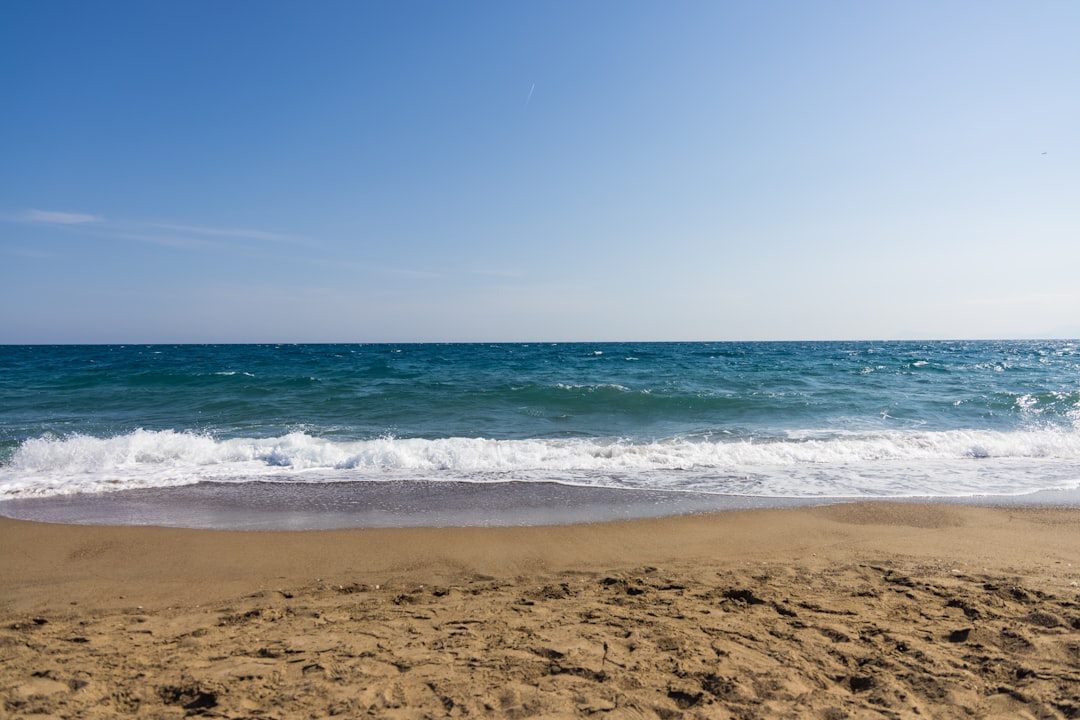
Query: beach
x=840 y=611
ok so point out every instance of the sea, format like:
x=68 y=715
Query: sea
x=281 y=436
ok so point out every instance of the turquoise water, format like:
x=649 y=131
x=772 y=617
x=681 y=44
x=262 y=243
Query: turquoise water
x=791 y=420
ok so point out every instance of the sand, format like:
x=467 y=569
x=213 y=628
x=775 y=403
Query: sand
x=846 y=611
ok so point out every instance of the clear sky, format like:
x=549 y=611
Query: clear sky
x=208 y=171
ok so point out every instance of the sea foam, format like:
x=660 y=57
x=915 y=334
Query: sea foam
x=804 y=464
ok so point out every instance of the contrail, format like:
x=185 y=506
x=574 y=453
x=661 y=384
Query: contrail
x=530 y=95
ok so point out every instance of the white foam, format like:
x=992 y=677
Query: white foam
x=811 y=463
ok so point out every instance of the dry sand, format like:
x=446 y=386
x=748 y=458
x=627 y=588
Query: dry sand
x=868 y=610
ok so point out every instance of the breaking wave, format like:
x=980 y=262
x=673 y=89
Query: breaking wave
x=945 y=463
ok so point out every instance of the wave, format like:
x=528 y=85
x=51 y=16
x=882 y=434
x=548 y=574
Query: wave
x=956 y=462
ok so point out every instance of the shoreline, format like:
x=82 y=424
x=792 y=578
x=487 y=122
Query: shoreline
x=268 y=506
x=847 y=610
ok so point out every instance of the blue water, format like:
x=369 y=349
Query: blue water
x=780 y=420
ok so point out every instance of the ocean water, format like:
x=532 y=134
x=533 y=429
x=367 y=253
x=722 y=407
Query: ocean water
x=736 y=420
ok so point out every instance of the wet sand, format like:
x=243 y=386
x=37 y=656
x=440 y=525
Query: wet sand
x=855 y=610
x=370 y=504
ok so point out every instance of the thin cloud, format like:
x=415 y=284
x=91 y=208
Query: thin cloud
x=246 y=233
x=54 y=217
x=496 y=273
x=158 y=233
x=171 y=240
x=414 y=273
x=462 y=273
x=410 y=274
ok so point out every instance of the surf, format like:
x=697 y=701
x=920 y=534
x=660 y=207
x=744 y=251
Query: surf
x=795 y=464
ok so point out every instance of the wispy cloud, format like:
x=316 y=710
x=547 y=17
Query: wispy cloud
x=409 y=273
x=173 y=240
x=228 y=232
x=54 y=217
x=496 y=272
x=450 y=274
x=167 y=234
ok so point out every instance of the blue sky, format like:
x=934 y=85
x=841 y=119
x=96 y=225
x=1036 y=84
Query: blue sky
x=491 y=171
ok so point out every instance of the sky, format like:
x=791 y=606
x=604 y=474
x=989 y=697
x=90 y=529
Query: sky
x=263 y=171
